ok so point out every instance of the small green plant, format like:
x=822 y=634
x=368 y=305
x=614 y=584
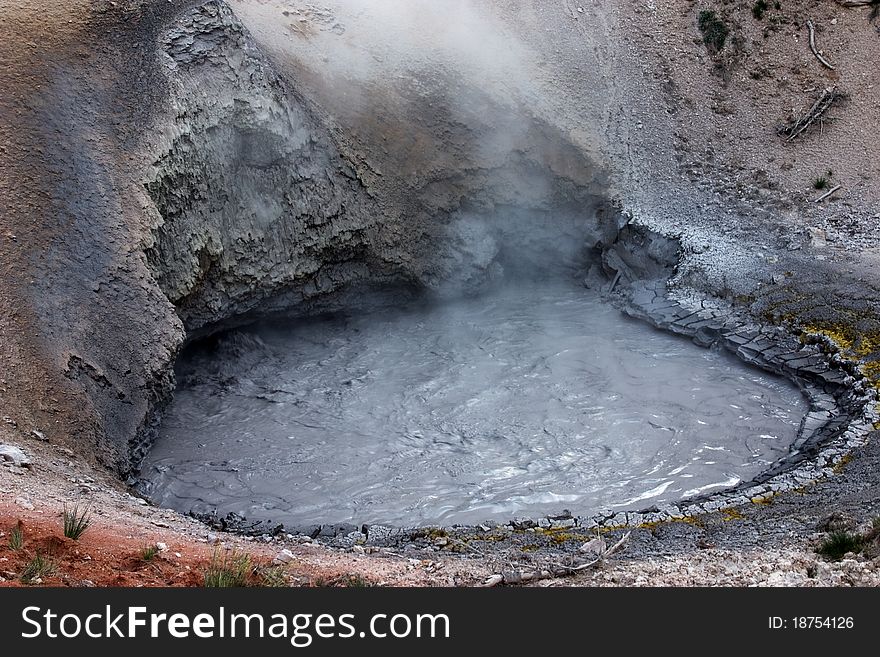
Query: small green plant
x=149 y=552
x=16 y=539
x=38 y=567
x=820 y=183
x=759 y=8
x=713 y=29
x=271 y=576
x=76 y=521
x=355 y=582
x=350 y=580
x=228 y=570
x=838 y=543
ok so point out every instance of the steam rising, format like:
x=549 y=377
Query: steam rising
x=440 y=99
x=417 y=42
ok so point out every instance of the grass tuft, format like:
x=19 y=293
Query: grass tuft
x=713 y=29
x=838 y=543
x=759 y=8
x=228 y=570
x=38 y=567
x=350 y=580
x=271 y=576
x=820 y=183
x=16 y=539
x=76 y=521
x=149 y=552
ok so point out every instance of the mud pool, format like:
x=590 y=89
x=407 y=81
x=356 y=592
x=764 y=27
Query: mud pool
x=528 y=401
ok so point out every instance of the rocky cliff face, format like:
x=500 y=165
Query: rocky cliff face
x=254 y=201
x=258 y=211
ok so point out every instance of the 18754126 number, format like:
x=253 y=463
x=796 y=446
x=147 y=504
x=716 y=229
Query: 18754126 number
x=811 y=623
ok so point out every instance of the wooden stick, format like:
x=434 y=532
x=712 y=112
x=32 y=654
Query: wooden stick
x=815 y=113
x=827 y=194
x=614 y=282
x=518 y=577
x=821 y=59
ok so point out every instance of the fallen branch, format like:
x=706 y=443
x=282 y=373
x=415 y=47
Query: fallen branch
x=614 y=282
x=550 y=572
x=855 y=3
x=827 y=194
x=798 y=126
x=815 y=50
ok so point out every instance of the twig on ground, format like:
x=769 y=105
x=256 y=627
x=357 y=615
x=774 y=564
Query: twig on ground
x=827 y=194
x=829 y=96
x=614 y=282
x=556 y=570
x=815 y=50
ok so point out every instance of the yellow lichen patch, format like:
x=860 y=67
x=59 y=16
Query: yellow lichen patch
x=696 y=521
x=561 y=535
x=431 y=533
x=841 y=464
x=872 y=371
x=843 y=337
x=489 y=538
x=731 y=513
x=650 y=526
x=869 y=343
x=852 y=344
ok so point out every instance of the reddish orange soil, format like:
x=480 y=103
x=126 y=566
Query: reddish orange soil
x=110 y=553
x=101 y=557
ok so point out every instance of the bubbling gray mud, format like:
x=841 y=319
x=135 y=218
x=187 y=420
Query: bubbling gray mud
x=524 y=402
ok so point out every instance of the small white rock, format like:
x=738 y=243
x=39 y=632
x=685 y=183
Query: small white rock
x=15 y=456
x=285 y=556
x=162 y=547
x=595 y=546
